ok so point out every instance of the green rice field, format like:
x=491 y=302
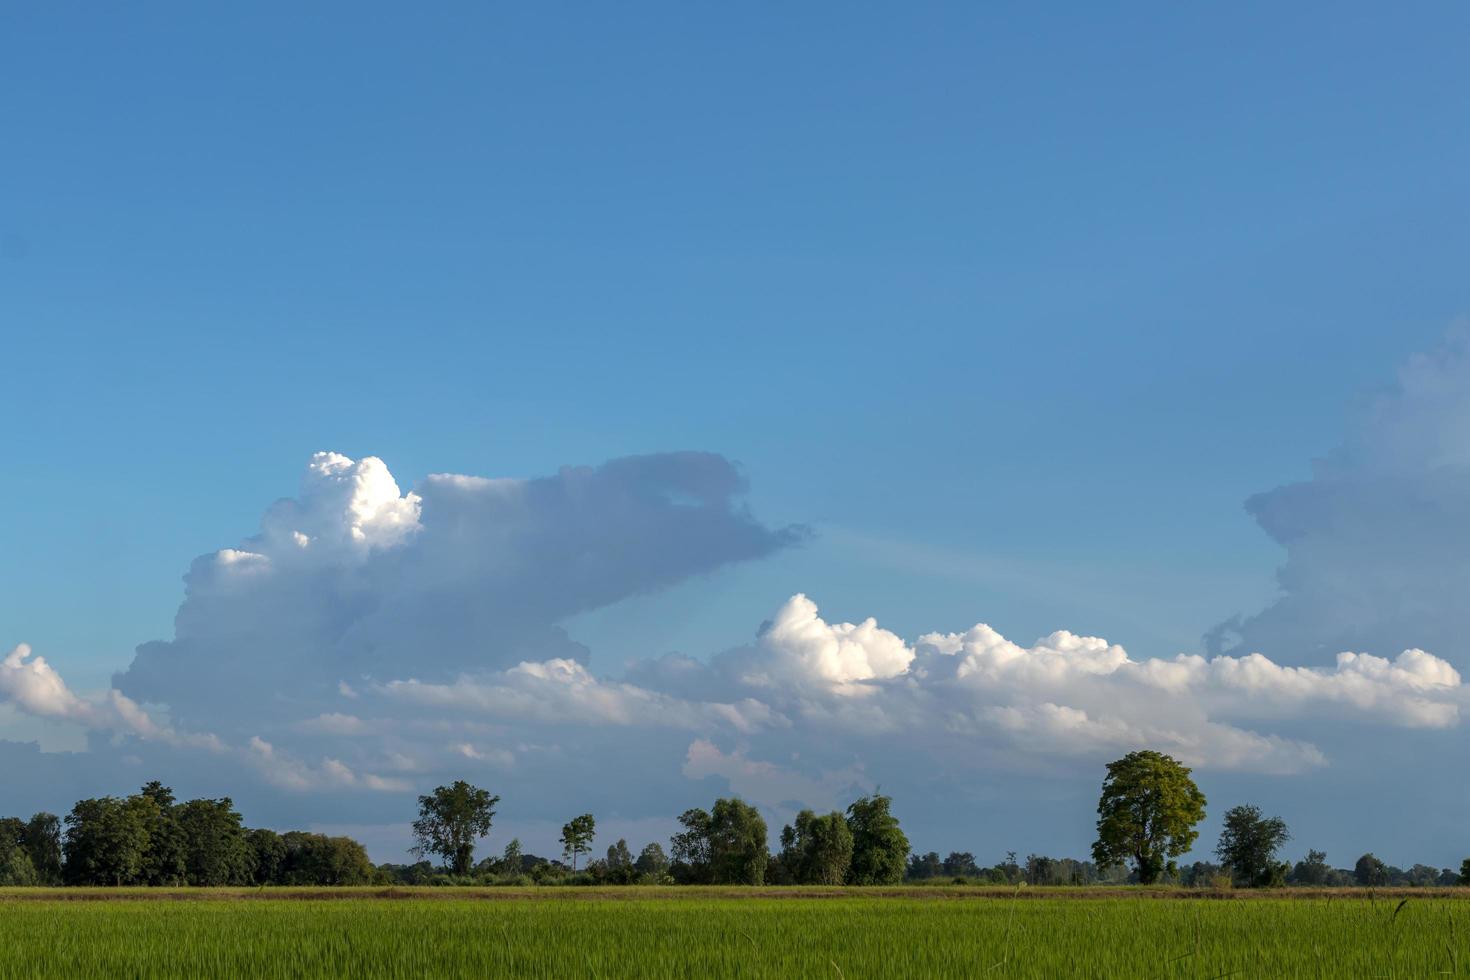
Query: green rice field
x=842 y=935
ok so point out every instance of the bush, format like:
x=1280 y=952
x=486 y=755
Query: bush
x=16 y=867
x=547 y=873
x=513 y=881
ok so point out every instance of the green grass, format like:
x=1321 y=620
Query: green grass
x=557 y=933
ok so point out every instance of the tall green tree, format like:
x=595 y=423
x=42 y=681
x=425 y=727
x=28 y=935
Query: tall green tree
x=690 y=848
x=43 y=846
x=1312 y=870
x=818 y=850
x=738 y=845
x=267 y=854
x=346 y=862
x=450 y=820
x=15 y=865
x=923 y=866
x=576 y=837
x=12 y=832
x=216 y=850
x=619 y=856
x=1248 y=845
x=960 y=864
x=107 y=840
x=163 y=862
x=1147 y=814
x=880 y=849
x=618 y=868
x=1422 y=876
x=652 y=863
x=510 y=859
x=1370 y=872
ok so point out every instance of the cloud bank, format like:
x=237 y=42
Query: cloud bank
x=1377 y=541
x=372 y=642
x=355 y=579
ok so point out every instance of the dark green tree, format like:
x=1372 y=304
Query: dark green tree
x=267 y=854
x=12 y=832
x=922 y=867
x=618 y=868
x=738 y=846
x=1370 y=872
x=1007 y=871
x=690 y=849
x=961 y=864
x=880 y=849
x=163 y=863
x=618 y=856
x=1248 y=845
x=1200 y=874
x=107 y=840
x=216 y=850
x=1147 y=814
x=1313 y=870
x=450 y=820
x=510 y=861
x=347 y=863
x=652 y=863
x=1422 y=876
x=1040 y=870
x=576 y=837
x=43 y=846
x=1465 y=872
x=15 y=865
x=818 y=850
x=315 y=859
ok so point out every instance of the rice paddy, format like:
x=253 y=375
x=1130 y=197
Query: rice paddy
x=837 y=934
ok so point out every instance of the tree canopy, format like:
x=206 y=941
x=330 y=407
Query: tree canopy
x=738 y=850
x=1248 y=846
x=576 y=837
x=1370 y=871
x=880 y=849
x=690 y=848
x=450 y=820
x=1147 y=814
x=816 y=850
x=725 y=845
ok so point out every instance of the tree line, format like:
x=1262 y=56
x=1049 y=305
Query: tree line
x=1147 y=815
x=727 y=844
x=151 y=839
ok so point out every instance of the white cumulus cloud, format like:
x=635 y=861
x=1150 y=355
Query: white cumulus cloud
x=33 y=686
x=567 y=693
x=376 y=640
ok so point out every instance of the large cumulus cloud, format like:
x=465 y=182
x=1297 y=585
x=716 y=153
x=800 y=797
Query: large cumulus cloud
x=1378 y=539
x=354 y=578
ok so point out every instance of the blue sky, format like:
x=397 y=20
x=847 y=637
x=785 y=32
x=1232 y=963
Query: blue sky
x=1014 y=308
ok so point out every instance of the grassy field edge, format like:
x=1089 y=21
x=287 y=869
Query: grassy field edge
x=632 y=893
